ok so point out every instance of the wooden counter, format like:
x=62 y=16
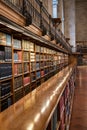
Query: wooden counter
x=34 y=111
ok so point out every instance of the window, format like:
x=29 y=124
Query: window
x=55 y=8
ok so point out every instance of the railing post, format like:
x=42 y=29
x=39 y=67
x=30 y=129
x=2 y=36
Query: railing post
x=50 y=24
x=26 y=12
x=41 y=23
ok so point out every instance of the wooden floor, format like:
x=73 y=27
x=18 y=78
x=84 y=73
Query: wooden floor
x=79 y=112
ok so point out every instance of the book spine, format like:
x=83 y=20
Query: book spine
x=18 y=82
x=18 y=95
x=2 y=38
x=38 y=74
x=6 y=103
x=8 y=40
x=5 y=70
x=26 y=80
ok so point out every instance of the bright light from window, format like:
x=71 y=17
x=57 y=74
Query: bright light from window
x=55 y=8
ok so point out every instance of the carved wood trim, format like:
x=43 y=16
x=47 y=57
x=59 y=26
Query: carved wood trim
x=11 y=14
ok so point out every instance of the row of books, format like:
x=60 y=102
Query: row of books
x=61 y=105
x=27 y=45
x=18 y=94
x=67 y=103
x=17 y=69
x=8 y=54
x=32 y=57
x=54 y=120
x=62 y=112
x=44 y=50
x=17 y=44
x=26 y=80
x=17 y=56
x=5 y=88
x=26 y=56
x=66 y=93
x=18 y=82
x=38 y=74
x=27 y=89
x=46 y=63
x=5 y=39
x=37 y=66
x=5 y=53
x=55 y=58
x=33 y=76
x=42 y=73
x=32 y=66
x=6 y=103
x=5 y=70
x=26 y=67
x=2 y=56
x=37 y=48
x=46 y=71
x=44 y=57
x=37 y=57
x=62 y=125
x=67 y=110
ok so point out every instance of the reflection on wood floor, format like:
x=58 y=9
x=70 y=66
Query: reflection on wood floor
x=79 y=112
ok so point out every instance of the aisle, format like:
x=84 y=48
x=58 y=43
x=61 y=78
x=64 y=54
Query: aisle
x=79 y=113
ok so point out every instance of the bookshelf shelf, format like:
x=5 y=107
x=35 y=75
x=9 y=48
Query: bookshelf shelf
x=16 y=49
x=38 y=78
x=6 y=96
x=26 y=61
x=5 y=79
x=18 y=88
x=18 y=75
x=26 y=84
x=2 y=62
x=33 y=71
x=25 y=50
x=4 y=45
x=18 y=62
x=38 y=69
x=33 y=81
x=26 y=72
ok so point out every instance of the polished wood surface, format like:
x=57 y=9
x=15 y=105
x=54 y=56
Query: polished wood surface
x=34 y=111
x=11 y=14
x=79 y=113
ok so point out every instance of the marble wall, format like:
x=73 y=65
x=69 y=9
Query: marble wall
x=81 y=20
x=69 y=21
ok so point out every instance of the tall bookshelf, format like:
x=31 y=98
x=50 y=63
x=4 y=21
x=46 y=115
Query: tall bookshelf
x=60 y=119
x=6 y=85
x=24 y=65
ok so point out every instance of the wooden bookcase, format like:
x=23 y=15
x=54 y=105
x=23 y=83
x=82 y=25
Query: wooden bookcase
x=60 y=119
x=24 y=65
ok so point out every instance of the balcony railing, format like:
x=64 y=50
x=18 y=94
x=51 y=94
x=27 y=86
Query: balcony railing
x=35 y=13
x=82 y=49
x=45 y=20
x=15 y=4
x=31 y=9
